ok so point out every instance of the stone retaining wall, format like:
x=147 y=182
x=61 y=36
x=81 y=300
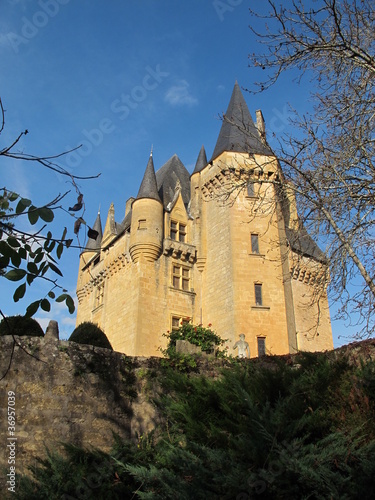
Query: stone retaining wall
x=70 y=393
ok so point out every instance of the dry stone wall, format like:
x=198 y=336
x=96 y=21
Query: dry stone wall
x=67 y=392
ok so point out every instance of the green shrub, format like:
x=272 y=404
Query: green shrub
x=20 y=325
x=204 y=337
x=89 y=333
x=267 y=431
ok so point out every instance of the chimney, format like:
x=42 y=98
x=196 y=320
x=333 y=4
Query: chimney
x=128 y=205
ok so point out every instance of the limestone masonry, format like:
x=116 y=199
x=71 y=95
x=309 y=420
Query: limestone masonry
x=223 y=245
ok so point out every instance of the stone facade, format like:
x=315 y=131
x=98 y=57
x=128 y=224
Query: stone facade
x=186 y=249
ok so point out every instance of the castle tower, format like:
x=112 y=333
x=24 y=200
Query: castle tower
x=146 y=237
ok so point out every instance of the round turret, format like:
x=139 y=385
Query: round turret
x=146 y=230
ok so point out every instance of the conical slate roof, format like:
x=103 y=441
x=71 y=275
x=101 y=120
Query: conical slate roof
x=149 y=188
x=167 y=177
x=95 y=244
x=302 y=243
x=201 y=161
x=238 y=132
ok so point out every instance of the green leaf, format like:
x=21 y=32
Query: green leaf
x=22 y=253
x=19 y=293
x=13 y=196
x=32 y=268
x=32 y=308
x=51 y=294
x=45 y=305
x=33 y=215
x=38 y=258
x=46 y=214
x=16 y=259
x=5 y=249
x=61 y=297
x=44 y=268
x=59 y=250
x=55 y=269
x=4 y=262
x=30 y=278
x=22 y=205
x=64 y=234
x=13 y=242
x=70 y=304
x=68 y=243
x=15 y=274
x=49 y=246
x=4 y=204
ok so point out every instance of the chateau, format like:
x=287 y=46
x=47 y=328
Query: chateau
x=222 y=245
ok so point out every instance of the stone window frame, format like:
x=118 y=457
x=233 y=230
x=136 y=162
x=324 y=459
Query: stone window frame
x=178 y=231
x=177 y=321
x=250 y=190
x=142 y=224
x=254 y=243
x=181 y=277
x=258 y=287
x=99 y=295
x=258 y=294
x=261 y=346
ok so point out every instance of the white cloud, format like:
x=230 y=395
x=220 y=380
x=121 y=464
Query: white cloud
x=179 y=95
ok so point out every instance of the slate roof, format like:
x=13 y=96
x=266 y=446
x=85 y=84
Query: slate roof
x=238 y=132
x=167 y=177
x=302 y=243
x=148 y=188
x=201 y=161
x=95 y=244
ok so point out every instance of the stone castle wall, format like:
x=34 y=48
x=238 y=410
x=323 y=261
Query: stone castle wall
x=67 y=392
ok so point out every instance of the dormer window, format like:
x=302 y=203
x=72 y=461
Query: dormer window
x=178 y=231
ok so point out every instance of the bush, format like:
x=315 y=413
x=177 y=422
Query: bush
x=89 y=333
x=198 y=335
x=21 y=325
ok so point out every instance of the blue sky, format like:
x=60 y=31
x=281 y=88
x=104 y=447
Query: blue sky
x=120 y=78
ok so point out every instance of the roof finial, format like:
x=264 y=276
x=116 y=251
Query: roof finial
x=152 y=147
x=99 y=210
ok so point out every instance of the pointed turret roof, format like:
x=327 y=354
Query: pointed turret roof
x=201 y=161
x=149 y=188
x=110 y=229
x=238 y=131
x=95 y=244
x=167 y=177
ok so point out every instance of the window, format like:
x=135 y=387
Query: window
x=258 y=294
x=99 y=295
x=178 y=231
x=180 y=277
x=261 y=346
x=177 y=321
x=142 y=224
x=250 y=189
x=254 y=243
